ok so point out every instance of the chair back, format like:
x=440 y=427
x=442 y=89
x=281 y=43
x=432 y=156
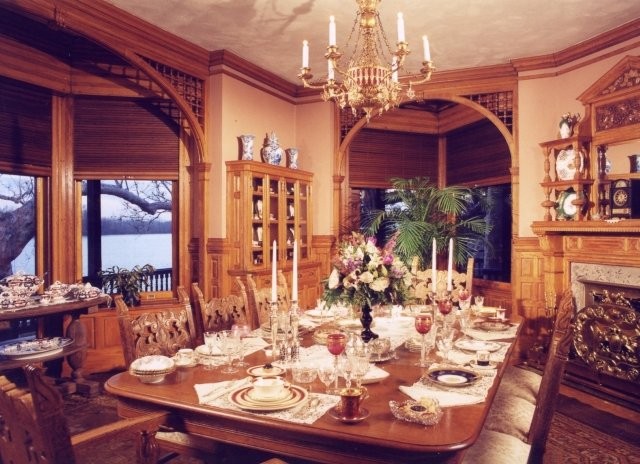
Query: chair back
x=459 y=280
x=260 y=298
x=221 y=313
x=546 y=400
x=163 y=332
x=33 y=424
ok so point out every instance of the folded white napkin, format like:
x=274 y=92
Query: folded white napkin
x=208 y=392
x=375 y=374
x=445 y=398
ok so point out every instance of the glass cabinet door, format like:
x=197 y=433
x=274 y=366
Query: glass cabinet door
x=259 y=209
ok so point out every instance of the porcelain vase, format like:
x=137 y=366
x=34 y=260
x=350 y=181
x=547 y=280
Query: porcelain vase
x=293 y=157
x=271 y=152
x=366 y=319
x=565 y=130
x=247 y=146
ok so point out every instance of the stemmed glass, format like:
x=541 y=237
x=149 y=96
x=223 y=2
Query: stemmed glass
x=444 y=306
x=242 y=331
x=327 y=375
x=210 y=340
x=423 y=323
x=336 y=343
x=445 y=341
x=229 y=345
x=359 y=367
x=345 y=368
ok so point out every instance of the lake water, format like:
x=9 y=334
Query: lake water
x=117 y=250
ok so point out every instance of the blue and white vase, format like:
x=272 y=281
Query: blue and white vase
x=293 y=157
x=271 y=152
x=247 y=146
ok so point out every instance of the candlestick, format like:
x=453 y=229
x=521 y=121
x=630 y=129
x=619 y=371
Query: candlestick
x=330 y=72
x=425 y=45
x=305 y=53
x=450 y=266
x=274 y=259
x=294 y=290
x=434 y=273
x=332 y=31
x=400 y=28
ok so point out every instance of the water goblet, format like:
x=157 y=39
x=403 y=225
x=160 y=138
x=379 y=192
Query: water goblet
x=336 y=343
x=229 y=345
x=359 y=367
x=327 y=375
x=242 y=331
x=345 y=368
x=423 y=323
x=445 y=342
x=210 y=341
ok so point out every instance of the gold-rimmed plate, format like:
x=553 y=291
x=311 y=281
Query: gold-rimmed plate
x=265 y=370
x=243 y=399
x=452 y=377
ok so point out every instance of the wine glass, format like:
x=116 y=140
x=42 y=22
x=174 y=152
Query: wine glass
x=336 y=343
x=345 y=369
x=445 y=342
x=242 y=331
x=210 y=340
x=444 y=306
x=359 y=367
x=423 y=323
x=229 y=345
x=327 y=375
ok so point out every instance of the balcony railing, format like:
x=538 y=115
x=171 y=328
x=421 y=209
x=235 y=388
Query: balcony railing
x=159 y=281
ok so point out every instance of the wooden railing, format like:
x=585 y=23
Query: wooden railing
x=159 y=281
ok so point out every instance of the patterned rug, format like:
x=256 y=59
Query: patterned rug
x=570 y=441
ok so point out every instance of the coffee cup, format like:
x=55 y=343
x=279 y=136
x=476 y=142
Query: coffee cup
x=184 y=356
x=501 y=313
x=350 y=401
x=268 y=387
x=482 y=358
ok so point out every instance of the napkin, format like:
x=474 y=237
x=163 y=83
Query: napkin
x=208 y=392
x=445 y=398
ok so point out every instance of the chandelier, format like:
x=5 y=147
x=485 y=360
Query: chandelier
x=369 y=83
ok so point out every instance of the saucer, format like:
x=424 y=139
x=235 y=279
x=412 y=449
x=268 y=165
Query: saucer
x=364 y=413
x=264 y=370
x=284 y=395
x=193 y=363
x=475 y=365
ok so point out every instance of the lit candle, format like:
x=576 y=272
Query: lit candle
x=450 y=266
x=305 y=54
x=274 y=289
x=330 y=72
x=394 y=69
x=294 y=290
x=400 y=28
x=332 y=31
x=425 y=45
x=434 y=273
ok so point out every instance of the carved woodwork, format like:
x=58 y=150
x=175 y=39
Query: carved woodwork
x=221 y=313
x=606 y=338
x=260 y=298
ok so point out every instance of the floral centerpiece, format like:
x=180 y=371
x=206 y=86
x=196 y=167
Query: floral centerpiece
x=365 y=275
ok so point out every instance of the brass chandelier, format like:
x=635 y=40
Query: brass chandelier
x=369 y=83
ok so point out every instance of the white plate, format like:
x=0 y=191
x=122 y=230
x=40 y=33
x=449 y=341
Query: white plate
x=476 y=345
x=264 y=371
x=565 y=164
x=34 y=348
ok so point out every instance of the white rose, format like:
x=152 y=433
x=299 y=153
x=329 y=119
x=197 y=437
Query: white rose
x=334 y=279
x=380 y=284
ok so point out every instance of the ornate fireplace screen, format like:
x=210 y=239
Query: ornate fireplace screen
x=607 y=335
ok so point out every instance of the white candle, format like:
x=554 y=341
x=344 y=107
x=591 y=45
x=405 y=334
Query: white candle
x=305 y=53
x=332 y=31
x=294 y=289
x=274 y=288
x=394 y=69
x=330 y=72
x=434 y=272
x=425 y=45
x=400 y=28
x=450 y=266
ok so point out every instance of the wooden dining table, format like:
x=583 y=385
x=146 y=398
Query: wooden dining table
x=380 y=438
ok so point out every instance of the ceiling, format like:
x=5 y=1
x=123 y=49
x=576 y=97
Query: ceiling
x=462 y=33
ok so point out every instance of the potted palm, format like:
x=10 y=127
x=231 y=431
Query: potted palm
x=127 y=282
x=418 y=211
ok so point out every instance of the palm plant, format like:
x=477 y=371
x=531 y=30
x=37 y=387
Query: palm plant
x=418 y=211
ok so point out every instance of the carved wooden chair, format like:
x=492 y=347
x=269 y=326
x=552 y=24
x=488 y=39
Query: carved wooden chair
x=260 y=298
x=500 y=441
x=163 y=332
x=221 y=313
x=34 y=428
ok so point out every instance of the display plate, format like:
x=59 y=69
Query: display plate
x=34 y=348
x=565 y=164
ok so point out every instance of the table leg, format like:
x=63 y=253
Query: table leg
x=78 y=333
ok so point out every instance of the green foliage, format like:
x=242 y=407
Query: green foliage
x=420 y=212
x=127 y=282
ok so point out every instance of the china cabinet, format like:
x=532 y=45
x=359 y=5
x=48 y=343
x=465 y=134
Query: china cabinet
x=270 y=204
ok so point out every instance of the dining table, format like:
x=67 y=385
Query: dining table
x=381 y=437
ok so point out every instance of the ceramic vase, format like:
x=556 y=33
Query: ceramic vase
x=293 y=157
x=565 y=130
x=271 y=152
x=247 y=146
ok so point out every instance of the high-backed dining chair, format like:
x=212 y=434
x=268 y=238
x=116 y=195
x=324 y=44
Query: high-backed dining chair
x=220 y=313
x=260 y=298
x=164 y=333
x=35 y=430
x=459 y=280
x=495 y=446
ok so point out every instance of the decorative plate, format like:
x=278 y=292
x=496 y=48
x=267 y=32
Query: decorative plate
x=476 y=345
x=265 y=370
x=34 y=348
x=425 y=412
x=452 y=377
x=243 y=399
x=566 y=209
x=565 y=164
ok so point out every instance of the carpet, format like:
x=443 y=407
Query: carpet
x=579 y=434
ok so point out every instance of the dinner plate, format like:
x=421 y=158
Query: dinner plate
x=453 y=377
x=492 y=326
x=284 y=396
x=264 y=370
x=35 y=348
x=241 y=398
x=476 y=345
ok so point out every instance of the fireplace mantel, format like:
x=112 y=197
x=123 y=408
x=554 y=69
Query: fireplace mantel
x=623 y=226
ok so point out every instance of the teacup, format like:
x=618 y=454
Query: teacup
x=185 y=356
x=268 y=387
x=350 y=401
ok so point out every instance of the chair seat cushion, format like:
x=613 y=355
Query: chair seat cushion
x=511 y=415
x=497 y=448
x=520 y=382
